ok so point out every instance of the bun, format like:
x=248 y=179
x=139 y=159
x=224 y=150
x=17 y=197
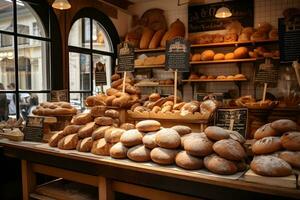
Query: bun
x=71 y=129
x=118 y=150
x=270 y=166
x=101 y=147
x=148 y=125
x=155 y=41
x=163 y=156
x=154 y=97
x=111 y=91
x=139 y=154
x=98 y=111
x=127 y=126
x=265 y=131
x=221 y=77
x=216 y=133
x=266 y=145
x=240 y=52
x=219 y=56
x=291 y=141
x=87 y=130
x=259 y=36
x=131 y=138
x=244 y=37
x=53 y=141
x=168 y=138
x=113 y=135
x=239 y=76
x=191 y=135
x=85 y=145
x=198 y=146
x=230 y=37
x=69 y=142
x=237 y=137
x=149 y=140
x=291 y=157
x=112 y=113
x=146 y=38
x=82 y=119
x=220 y=165
x=104 y=121
x=229 y=149
x=182 y=130
x=187 y=161
x=284 y=125
x=196 y=57
x=178 y=106
x=115 y=77
x=229 y=56
x=99 y=132
x=207 y=55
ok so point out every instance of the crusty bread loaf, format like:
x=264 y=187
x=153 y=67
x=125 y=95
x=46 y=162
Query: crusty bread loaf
x=116 y=83
x=127 y=126
x=111 y=91
x=291 y=140
x=132 y=138
x=266 y=145
x=218 y=165
x=121 y=101
x=113 y=135
x=53 y=141
x=118 y=150
x=149 y=140
x=237 y=137
x=87 y=130
x=69 y=142
x=196 y=57
x=104 y=121
x=178 y=106
x=182 y=130
x=229 y=149
x=101 y=147
x=191 y=135
x=168 y=138
x=139 y=153
x=85 y=145
x=112 y=113
x=230 y=37
x=82 y=119
x=198 y=146
x=291 y=157
x=177 y=28
x=146 y=38
x=97 y=111
x=284 y=125
x=265 y=131
x=70 y=129
x=154 y=97
x=219 y=56
x=229 y=56
x=99 y=132
x=207 y=55
x=115 y=77
x=187 y=161
x=155 y=41
x=270 y=166
x=216 y=133
x=163 y=156
x=148 y=125
x=240 y=52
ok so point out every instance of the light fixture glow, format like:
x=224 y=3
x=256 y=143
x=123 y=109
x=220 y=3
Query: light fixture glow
x=61 y=4
x=223 y=12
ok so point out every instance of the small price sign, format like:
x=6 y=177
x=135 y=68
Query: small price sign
x=33 y=131
x=125 y=57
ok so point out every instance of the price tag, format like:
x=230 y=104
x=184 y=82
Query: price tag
x=125 y=57
x=100 y=74
x=33 y=131
x=232 y=119
x=59 y=95
x=178 y=54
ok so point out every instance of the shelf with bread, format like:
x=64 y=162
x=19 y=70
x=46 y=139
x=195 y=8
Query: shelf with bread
x=214 y=80
x=149 y=66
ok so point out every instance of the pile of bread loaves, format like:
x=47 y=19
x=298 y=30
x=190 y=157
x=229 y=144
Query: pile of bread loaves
x=251 y=103
x=54 y=109
x=277 y=149
x=151 y=60
x=114 y=95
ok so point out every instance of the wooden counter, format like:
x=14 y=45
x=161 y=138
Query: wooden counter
x=144 y=180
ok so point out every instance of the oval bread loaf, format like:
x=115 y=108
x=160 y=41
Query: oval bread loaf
x=101 y=147
x=148 y=125
x=69 y=142
x=53 y=141
x=146 y=38
x=113 y=135
x=198 y=146
x=104 y=121
x=139 y=153
x=182 y=130
x=229 y=149
x=155 y=41
x=265 y=131
x=99 y=132
x=85 y=145
x=284 y=125
x=118 y=150
x=187 y=161
x=266 y=145
x=163 y=156
x=112 y=113
x=127 y=126
x=220 y=165
x=291 y=157
x=87 y=130
x=291 y=141
x=149 y=140
x=131 y=138
x=216 y=133
x=82 y=119
x=168 y=138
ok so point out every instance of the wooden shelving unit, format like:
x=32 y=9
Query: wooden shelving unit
x=214 y=80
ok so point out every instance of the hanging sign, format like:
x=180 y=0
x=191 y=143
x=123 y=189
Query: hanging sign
x=59 y=95
x=100 y=74
x=125 y=57
x=33 y=131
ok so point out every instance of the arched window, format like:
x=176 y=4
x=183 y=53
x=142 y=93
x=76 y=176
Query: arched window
x=25 y=45
x=92 y=47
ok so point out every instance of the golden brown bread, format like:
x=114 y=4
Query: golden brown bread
x=85 y=145
x=265 y=131
x=127 y=126
x=182 y=130
x=229 y=149
x=139 y=153
x=104 y=121
x=101 y=147
x=148 y=125
x=229 y=56
x=196 y=57
x=177 y=28
x=146 y=38
x=266 y=145
x=291 y=157
x=155 y=41
x=115 y=77
x=198 y=146
x=149 y=140
x=87 y=130
x=97 y=111
x=163 y=156
x=118 y=150
x=207 y=55
x=219 y=56
x=167 y=138
x=82 y=119
x=291 y=140
x=154 y=97
x=187 y=161
x=112 y=113
x=113 y=135
x=69 y=142
x=284 y=125
x=219 y=165
x=70 y=129
x=132 y=138
x=216 y=133
x=99 y=132
x=108 y=101
x=53 y=141
x=240 y=52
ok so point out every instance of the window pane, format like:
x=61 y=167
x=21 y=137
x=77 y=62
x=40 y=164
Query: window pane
x=28 y=21
x=80 y=33
x=77 y=100
x=80 y=72
x=34 y=68
x=6 y=15
x=101 y=63
x=7 y=63
x=101 y=41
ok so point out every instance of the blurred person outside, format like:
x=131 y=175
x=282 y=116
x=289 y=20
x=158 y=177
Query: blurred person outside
x=3 y=105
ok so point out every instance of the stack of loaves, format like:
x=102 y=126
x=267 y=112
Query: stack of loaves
x=54 y=109
x=277 y=148
x=114 y=96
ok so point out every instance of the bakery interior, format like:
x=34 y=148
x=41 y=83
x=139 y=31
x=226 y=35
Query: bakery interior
x=149 y=99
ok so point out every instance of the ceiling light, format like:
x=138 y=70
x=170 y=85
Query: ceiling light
x=61 y=4
x=223 y=12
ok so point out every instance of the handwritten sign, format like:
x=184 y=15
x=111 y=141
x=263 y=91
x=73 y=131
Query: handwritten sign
x=202 y=17
x=33 y=131
x=100 y=74
x=59 y=95
x=178 y=54
x=232 y=119
x=125 y=57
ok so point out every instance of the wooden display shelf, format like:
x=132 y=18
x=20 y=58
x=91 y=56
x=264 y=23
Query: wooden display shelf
x=149 y=66
x=215 y=80
x=158 y=85
x=233 y=43
x=230 y=61
x=149 y=50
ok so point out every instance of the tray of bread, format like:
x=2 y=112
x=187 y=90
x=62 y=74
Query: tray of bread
x=54 y=109
x=250 y=103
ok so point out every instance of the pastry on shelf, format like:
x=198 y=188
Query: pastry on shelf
x=193 y=76
x=251 y=103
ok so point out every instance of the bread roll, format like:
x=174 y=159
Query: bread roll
x=230 y=37
x=240 y=52
x=112 y=91
x=154 y=97
x=116 y=83
x=198 y=146
x=216 y=133
x=207 y=55
x=155 y=41
x=182 y=130
x=118 y=150
x=168 y=138
x=229 y=56
x=70 y=129
x=53 y=141
x=220 y=165
x=163 y=156
x=178 y=106
x=257 y=36
x=139 y=153
x=221 y=77
x=146 y=38
x=234 y=135
x=189 y=108
x=284 y=125
x=149 y=140
x=156 y=109
x=159 y=60
x=101 y=147
x=291 y=141
x=191 y=135
x=82 y=119
x=229 y=149
x=127 y=126
x=99 y=132
x=291 y=157
x=264 y=27
x=266 y=145
x=104 y=121
x=244 y=37
x=187 y=161
x=132 y=138
x=87 y=130
x=270 y=166
x=121 y=101
x=113 y=135
x=148 y=125
x=196 y=57
x=85 y=145
x=115 y=77
x=219 y=56
x=218 y=38
x=98 y=111
x=69 y=142
x=265 y=131
x=112 y=113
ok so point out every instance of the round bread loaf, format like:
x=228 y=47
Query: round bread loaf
x=219 y=165
x=219 y=56
x=53 y=141
x=98 y=111
x=291 y=157
x=127 y=126
x=229 y=149
x=270 y=166
x=284 y=125
x=99 y=132
x=187 y=161
x=216 y=133
x=229 y=56
x=265 y=131
x=291 y=141
x=131 y=138
x=139 y=153
x=82 y=119
x=266 y=145
x=240 y=52
x=104 y=121
x=168 y=138
x=112 y=113
x=163 y=156
x=115 y=77
x=191 y=135
x=149 y=140
x=182 y=130
x=154 y=97
x=207 y=55
x=85 y=145
x=113 y=135
x=101 y=147
x=198 y=146
x=237 y=137
x=87 y=130
x=118 y=150
x=148 y=125
x=70 y=129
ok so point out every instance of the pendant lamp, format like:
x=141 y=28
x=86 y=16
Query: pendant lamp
x=61 y=4
x=223 y=12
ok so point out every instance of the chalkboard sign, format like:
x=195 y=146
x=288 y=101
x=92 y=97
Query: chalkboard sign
x=59 y=95
x=202 y=17
x=33 y=131
x=125 y=57
x=100 y=74
x=178 y=54
x=235 y=119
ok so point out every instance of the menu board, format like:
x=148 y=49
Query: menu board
x=202 y=17
x=59 y=95
x=33 y=131
x=100 y=74
x=178 y=54
x=125 y=57
x=232 y=119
